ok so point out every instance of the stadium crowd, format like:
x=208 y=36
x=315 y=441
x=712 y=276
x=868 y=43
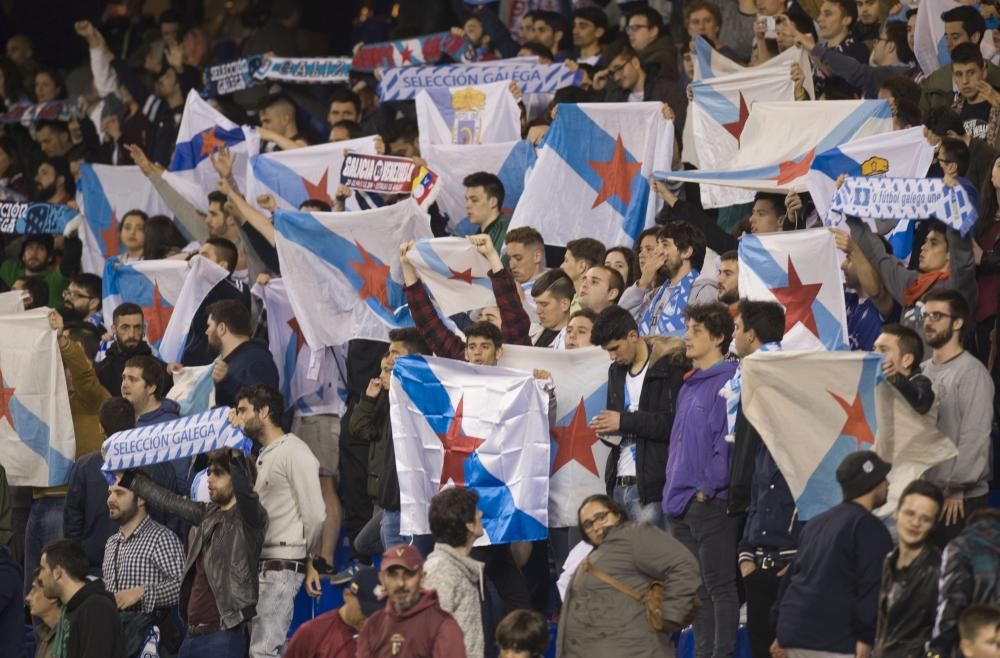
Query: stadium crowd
x=697 y=527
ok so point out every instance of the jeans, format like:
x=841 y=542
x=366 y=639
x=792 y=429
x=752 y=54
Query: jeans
x=711 y=535
x=628 y=497
x=761 y=587
x=221 y=644
x=45 y=524
x=275 y=604
x=391 y=537
x=369 y=540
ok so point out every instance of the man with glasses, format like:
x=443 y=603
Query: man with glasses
x=965 y=390
x=82 y=300
x=647 y=37
x=632 y=81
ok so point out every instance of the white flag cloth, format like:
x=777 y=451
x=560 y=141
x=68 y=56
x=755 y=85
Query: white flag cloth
x=193 y=389
x=480 y=114
x=342 y=270
x=37 y=443
x=591 y=178
x=481 y=427
x=578 y=458
x=11 y=302
x=814 y=408
x=455 y=273
x=801 y=271
x=202 y=132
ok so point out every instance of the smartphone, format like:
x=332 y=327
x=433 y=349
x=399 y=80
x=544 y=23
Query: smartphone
x=770 y=27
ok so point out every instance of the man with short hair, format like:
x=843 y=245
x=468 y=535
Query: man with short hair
x=47 y=611
x=962 y=24
x=581 y=255
x=942 y=123
x=484 y=196
x=128 y=326
x=907 y=600
x=142 y=386
x=590 y=24
x=225 y=254
x=704 y=19
x=651 y=42
x=979 y=630
x=142 y=561
x=643 y=382
x=696 y=490
x=965 y=390
x=581 y=324
x=548 y=29
x=729 y=278
x=412 y=622
x=334 y=634
x=552 y=294
x=89 y=624
x=345 y=105
x=635 y=81
x=34 y=260
x=903 y=352
x=288 y=488
x=458 y=578
x=829 y=603
x=835 y=25
x=82 y=300
x=278 y=128
x=53 y=138
x=218 y=591
x=972 y=102
x=242 y=361
x=600 y=288
x=525 y=254
x=54 y=181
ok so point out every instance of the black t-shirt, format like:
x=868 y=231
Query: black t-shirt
x=975 y=118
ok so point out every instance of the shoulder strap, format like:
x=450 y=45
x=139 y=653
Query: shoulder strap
x=604 y=577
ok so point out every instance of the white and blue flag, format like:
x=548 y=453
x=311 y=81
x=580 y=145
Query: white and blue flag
x=454 y=272
x=485 y=428
x=37 y=443
x=193 y=389
x=342 y=270
x=202 y=132
x=591 y=178
x=479 y=114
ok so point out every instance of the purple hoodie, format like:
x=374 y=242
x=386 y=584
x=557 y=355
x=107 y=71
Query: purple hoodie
x=699 y=454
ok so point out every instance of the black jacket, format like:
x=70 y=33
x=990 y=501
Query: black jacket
x=95 y=629
x=650 y=425
x=907 y=602
x=745 y=446
x=917 y=389
x=250 y=363
x=370 y=423
x=109 y=371
x=230 y=540
x=196 y=352
x=772 y=523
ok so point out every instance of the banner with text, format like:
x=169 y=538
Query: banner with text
x=228 y=77
x=385 y=174
x=26 y=113
x=403 y=83
x=427 y=49
x=34 y=217
x=892 y=199
x=305 y=70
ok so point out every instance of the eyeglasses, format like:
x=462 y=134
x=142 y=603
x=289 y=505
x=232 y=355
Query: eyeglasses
x=636 y=28
x=615 y=70
x=934 y=316
x=594 y=520
x=67 y=294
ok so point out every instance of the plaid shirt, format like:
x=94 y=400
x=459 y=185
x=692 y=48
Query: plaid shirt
x=151 y=556
x=444 y=343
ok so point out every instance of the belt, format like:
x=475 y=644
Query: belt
x=297 y=566
x=768 y=561
x=625 y=481
x=203 y=629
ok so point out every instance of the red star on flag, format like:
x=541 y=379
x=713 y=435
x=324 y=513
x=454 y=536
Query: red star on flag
x=318 y=190
x=575 y=442
x=464 y=275
x=157 y=316
x=209 y=142
x=856 y=424
x=300 y=338
x=6 y=394
x=790 y=170
x=406 y=54
x=374 y=277
x=798 y=298
x=736 y=128
x=616 y=174
x=111 y=238
x=458 y=446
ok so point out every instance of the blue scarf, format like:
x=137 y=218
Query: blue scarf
x=732 y=390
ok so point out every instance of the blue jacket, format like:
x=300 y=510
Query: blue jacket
x=699 y=454
x=250 y=363
x=772 y=518
x=168 y=411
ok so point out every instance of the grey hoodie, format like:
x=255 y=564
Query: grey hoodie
x=458 y=580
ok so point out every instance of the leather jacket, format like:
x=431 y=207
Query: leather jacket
x=229 y=540
x=907 y=602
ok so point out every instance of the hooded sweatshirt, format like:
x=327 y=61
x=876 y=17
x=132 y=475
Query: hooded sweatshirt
x=89 y=626
x=458 y=580
x=423 y=631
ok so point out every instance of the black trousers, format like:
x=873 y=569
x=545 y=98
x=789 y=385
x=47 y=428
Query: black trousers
x=761 y=587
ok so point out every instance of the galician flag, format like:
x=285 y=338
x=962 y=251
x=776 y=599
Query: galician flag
x=801 y=271
x=455 y=273
x=37 y=444
x=578 y=458
x=482 y=427
x=812 y=409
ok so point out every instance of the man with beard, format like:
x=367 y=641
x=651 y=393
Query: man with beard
x=243 y=362
x=412 y=624
x=217 y=597
x=82 y=300
x=36 y=253
x=288 y=487
x=225 y=254
x=829 y=599
x=907 y=601
x=965 y=390
x=128 y=329
x=729 y=278
x=54 y=181
x=142 y=561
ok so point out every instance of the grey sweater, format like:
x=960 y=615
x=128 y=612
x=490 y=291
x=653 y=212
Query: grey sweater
x=458 y=580
x=965 y=391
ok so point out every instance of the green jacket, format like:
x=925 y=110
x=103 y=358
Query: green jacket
x=11 y=270
x=939 y=90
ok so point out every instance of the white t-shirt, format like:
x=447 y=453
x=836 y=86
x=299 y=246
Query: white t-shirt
x=633 y=389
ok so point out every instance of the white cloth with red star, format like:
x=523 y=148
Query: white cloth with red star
x=801 y=271
x=454 y=272
x=578 y=457
x=37 y=443
x=814 y=408
x=485 y=428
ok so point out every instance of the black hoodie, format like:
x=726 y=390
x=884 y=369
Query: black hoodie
x=95 y=628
